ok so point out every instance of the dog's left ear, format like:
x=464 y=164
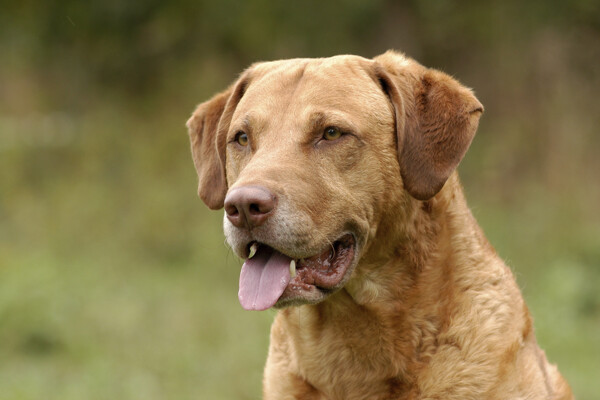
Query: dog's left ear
x=436 y=120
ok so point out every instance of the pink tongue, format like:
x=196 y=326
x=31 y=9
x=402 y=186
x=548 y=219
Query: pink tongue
x=263 y=279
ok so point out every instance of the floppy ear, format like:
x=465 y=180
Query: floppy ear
x=207 y=128
x=436 y=120
x=208 y=156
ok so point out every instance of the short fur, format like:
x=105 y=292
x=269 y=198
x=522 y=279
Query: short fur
x=429 y=310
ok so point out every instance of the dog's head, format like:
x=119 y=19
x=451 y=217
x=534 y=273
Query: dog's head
x=309 y=156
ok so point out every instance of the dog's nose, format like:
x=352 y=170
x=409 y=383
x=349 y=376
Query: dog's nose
x=249 y=206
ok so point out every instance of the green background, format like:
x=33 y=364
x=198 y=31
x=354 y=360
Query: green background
x=115 y=281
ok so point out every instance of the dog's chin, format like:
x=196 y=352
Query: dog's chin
x=274 y=277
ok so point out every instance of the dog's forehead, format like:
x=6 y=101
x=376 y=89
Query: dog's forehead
x=318 y=66
x=344 y=83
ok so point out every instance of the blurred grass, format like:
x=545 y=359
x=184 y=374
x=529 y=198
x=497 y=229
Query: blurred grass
x=115 y=282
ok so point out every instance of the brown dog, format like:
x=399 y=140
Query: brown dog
x=338 y=181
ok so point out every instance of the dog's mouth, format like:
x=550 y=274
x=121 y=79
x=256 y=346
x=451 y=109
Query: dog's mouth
x=270 y=278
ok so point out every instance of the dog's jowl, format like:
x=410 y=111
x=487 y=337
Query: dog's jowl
x=338 y=183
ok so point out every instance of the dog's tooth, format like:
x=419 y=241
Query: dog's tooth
x=253 y=249
x=293 y=268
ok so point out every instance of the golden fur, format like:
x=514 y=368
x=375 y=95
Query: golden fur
x=429 y=310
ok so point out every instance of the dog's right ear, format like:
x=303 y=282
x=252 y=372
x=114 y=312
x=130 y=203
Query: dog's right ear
x=207 y=128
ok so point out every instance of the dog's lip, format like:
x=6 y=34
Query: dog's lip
x=324 y=270
x=327 y=269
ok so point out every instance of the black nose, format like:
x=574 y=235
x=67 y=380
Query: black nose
x=249 y=206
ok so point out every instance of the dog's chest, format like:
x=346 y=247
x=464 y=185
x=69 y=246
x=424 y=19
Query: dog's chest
x=345 y=360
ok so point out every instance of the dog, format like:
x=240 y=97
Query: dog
x=339 y=184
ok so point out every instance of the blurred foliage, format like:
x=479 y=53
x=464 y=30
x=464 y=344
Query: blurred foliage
x=115 y=282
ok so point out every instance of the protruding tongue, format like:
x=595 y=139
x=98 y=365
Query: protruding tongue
x=263 y=279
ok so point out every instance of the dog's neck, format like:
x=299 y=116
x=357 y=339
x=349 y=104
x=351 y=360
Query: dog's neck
x=374 y=305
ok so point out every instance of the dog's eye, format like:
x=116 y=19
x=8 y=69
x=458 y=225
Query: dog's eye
x=332 y=133
x=241 y=138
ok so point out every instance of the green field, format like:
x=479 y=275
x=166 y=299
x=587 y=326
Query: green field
x=115 y=281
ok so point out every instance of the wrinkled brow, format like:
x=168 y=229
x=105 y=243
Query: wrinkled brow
x=318 y=120
x=252 y=122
